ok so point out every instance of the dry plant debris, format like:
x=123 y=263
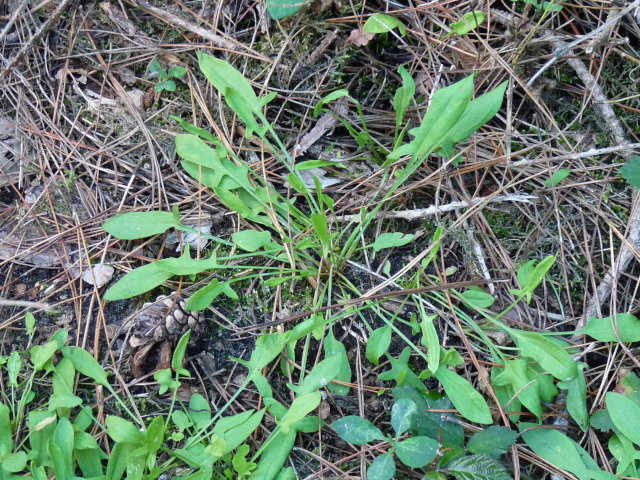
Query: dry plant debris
x=448 y=255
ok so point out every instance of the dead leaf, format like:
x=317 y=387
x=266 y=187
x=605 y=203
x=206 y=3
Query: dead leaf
x=359 y=37
x=195 y=240
x=324 y=124
x=102 y=274
x=137 y=98
x=307 y=177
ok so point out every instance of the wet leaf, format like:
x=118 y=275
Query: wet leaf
x=357 y=430
x=382 y=468
x=416 y=452
x=401 y=413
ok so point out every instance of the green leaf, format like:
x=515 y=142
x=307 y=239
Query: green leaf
x=84 y=362
x=117 y=461
x=492 y=441
x=630 y=171
x=404 y=95
x=401 y=371
x=154 y=435
x=168 y=85
x=13 y=463
x=321 y=228
x=300 y=407
x=401 y=413
x=428 y=421
x=469 y=403
x=181 y=419
x=378 y=344
x=630 y=386
x=357 y=430
x=549 y=356
x=266 y=349
x=178 y=354
x=63 y=384
x=332 y=347
x=625 y=415
x=274 y=456
x=201 y=132
x=601 y=420
x=40 y=355
x=556 y=448
x=577 y=398
x=14 y=364
x=297 y=183
x=234 y=436
x=251 y=240
x=283 y=8
x=515 y=375
x=137 y=282
x=381 y=23
x=530 y=276
x=431 y=341
x=199 y=411
x=224 y=76
x=469 y=21
x=155 y=67
x=310 y=164
x=320 y=376
x=557 y=177
x=382 y=468
x=164 y=377
x=447 y=106
x=477 y=298
x=416 y=452
x=185 y=265
x=477 y=467
x=624 y=452
x=389 y=240
x=123 y=431
x=135 y=225
x=6 y=442
x=204 y=296
x=177 y=72
x=478 y=112
x=551 y=7
x=30 y=323
x=621 y=326
x=330 y=97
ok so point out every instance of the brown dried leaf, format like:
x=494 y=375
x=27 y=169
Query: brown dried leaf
x=359 y=37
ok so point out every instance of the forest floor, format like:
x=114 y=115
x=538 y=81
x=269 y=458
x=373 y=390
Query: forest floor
x=90 y=93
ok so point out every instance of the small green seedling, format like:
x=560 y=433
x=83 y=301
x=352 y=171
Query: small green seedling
x=469 y=22
x=165 y=77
